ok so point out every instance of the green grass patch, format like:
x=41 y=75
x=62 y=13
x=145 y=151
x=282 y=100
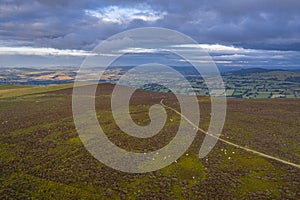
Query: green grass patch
x=31 y=187
x=6 y=154
x=187 y=168
x=12 y=86
x=16 y=92
x=255 y=183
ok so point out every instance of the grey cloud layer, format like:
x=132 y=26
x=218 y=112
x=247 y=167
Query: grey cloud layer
x=269 y=24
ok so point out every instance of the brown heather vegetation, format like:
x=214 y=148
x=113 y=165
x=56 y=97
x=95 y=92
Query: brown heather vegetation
x=42 y=157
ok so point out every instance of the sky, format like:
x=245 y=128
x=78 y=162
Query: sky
x=245 y=33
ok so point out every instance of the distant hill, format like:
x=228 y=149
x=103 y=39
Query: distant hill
x=252 y=70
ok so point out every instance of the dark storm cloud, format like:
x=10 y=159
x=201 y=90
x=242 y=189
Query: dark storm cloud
x=255 y=24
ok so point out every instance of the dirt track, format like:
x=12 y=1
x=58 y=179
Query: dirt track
x=230 y=143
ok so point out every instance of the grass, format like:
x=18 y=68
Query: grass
x=6 y=154
x=257 y=172
x=12 y=92
x=136 y=186
x=255 y=183
x=188 y=168
x=6 y=87
x=45 y=189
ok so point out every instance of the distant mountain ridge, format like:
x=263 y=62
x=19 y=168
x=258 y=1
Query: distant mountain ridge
x=253 y=70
